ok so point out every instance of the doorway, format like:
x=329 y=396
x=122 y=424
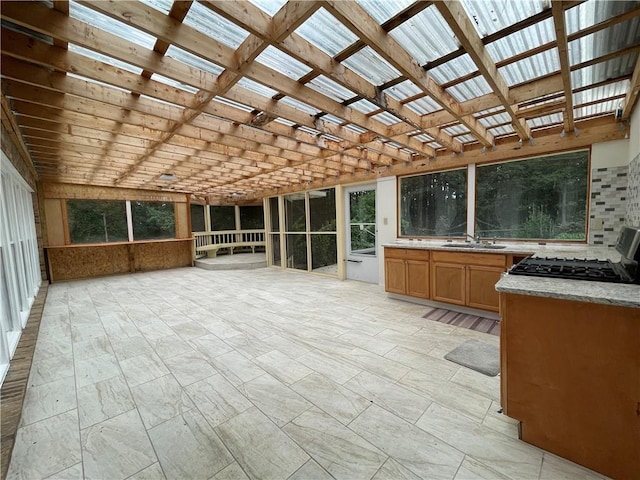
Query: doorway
x=362 y=233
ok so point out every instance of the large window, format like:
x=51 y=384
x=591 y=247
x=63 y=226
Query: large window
x=197 y=217
x=97 y=221
x=434 y=204
x=540 y=198
x=251 y=218
x=153 y=220
x=223 y=218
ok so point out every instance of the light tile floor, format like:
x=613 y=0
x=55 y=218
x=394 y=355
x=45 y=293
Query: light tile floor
x=265 y=374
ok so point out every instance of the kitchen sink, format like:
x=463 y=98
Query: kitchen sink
x=488 y=246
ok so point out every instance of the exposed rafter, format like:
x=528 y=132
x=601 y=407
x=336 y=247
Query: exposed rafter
x=565 y=69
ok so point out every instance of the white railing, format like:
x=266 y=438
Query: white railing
x=228 y=238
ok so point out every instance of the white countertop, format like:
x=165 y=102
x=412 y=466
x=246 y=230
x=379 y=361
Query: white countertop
x=568 y=289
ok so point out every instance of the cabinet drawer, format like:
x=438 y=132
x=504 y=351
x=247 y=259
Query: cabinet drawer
x=488 y=259
x=406 y=253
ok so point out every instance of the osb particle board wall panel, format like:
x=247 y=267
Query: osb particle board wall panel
x=91 y=192
x=86 y=261
x=53 y=210
x=182 y=220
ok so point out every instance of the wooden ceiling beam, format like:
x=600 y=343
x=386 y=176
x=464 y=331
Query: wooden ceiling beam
x=633 y=93
x=454 y=14
x=563 y=53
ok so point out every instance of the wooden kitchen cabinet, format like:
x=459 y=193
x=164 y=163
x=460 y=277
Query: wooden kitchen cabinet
x=480 y=287
x=406 y=271
x=448 y=283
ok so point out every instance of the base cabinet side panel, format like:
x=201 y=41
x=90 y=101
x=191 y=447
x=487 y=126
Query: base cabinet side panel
x=573 y=380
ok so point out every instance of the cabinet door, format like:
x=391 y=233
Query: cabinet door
x=481 y=283
x=448 y=283
x=394 y=275
x=417 y=278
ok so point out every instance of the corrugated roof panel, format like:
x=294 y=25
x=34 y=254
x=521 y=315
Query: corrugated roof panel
x=383 y=11
x=600 y=93
x=269 y=6
x=456 y=130
x=453 y=69
x=315 y=28
x=403 y=90
x=426 y=36
x=356 y=128
x=489 y=16
x=371 y=66
x=231 y=103
x=522 y=40
x=386 y=118
x=105 y=59
x=602 y=108
x=605 y=41
x=424 y=138
x=215 y=26
x=98 y=82
x=530 y=68
x=502 y=130
x=284 y=121
x=174 y=83
x=435 y=145
x=467 y=139
x=193 y=60
x=283 y=63
x=488 y=122
x=364 y=106
x=332 y=119
x=613 y=68
x=592 y=12
x=110 y=25
x=309 y=130
x=424 y=105
x=476 y=87
x=256 y=87
x=547 y=120
x=331 y=89
x=292 y=102
x=488 y=110
x=163 y=6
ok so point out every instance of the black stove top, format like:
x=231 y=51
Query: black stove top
x=579 y=269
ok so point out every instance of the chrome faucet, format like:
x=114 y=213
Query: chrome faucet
x=476 y=239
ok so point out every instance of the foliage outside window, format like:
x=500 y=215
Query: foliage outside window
x=295 y=214
x=322 y=210
x=251 y=217
x=362 y=224
x=97 y=221
x=223 y=218
x=153 y=220
x=540 y=198
x=274 y=214
x=197 y=218
x=434 y=204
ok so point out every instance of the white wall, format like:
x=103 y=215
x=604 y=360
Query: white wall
x=387 y=212
x=610 y=154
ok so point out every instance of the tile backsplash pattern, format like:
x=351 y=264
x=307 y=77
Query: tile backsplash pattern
x=608 y=211
x=633 y=193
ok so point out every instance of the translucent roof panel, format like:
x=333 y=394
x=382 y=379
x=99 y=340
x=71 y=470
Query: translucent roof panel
x=364 y=106
x=332 y=119
x=292 y=102
x=501 y=130
x=174 y=83
x=426 y=36
x=456 y=130
x=403 y=90
x=256 y=87
x=423 y=138
x=107 y=24
x=97 y=82
x=592 y=12
x=193 y=60
x=531 y=67
x=283 y=63
x=601 y=71
x=308 y=130
x=490 y=16
x=371 y=66
x=493 y=120
x=553 y=119
x=269 y=6
x=383 y=11
x=600 y=93
x=601 y=108
x=330 y=88
x=453 y=69
x=522 y=40
x=284 y=121
x=605 y=41
x=215 y=26
x=424 y=105
x=386 y=118
x=105 y=59
x=466 y=139
x=163 y=6
x=314 y=30
x=355 y=128
x=231 y=103
x=476 y=87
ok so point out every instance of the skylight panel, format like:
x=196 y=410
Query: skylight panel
x=613 y=68
x=174 y=83
x=333 y=138
x=383 y=11
x=386 y=118
x=284 y=121
x=601 y=108
x=356 y=128
x=470 y=89
x=215 y=26
x=193 y=60
x=490 y=16
x=605 y=41
x=545 y=121
x=105 y=59
x=426 y=36
x=371 y=66
x=601 y=93
x=308 y=130
x=456 y=130
x=403 y=90
x=256 y=87
x=315 y=30
x=453 y=69
x=531 y=67
x=523 y=40
x=163 y=6
x=466 y=139
x=282 y=63
x=492 y=121
x=424 y=105
x=292 y=102
x=501 y=130
x=162 y=102
x=590 y=13
x=330 y=88
x=364 y=106
x=110 y=25
x=270 y=7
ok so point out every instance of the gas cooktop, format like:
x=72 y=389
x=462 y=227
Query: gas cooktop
x=574 y=268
